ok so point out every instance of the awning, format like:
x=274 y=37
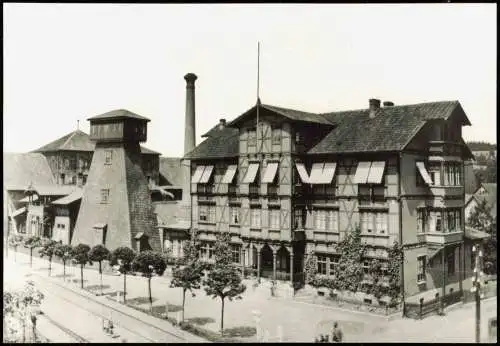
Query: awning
x=139 y=235
x=162 y=191
x=473 y=234
x=304 y=177
x=423 y=172
x=362 y=172
x=206 y=174
x=328 y=172
x=229 y=175
x=316 y=173
x=75 y=196
x=99 y=226
x=18 y=212
x=26 y=199
x=197 y=174
x=270 y=173
x=376 y=172
x=251 y=173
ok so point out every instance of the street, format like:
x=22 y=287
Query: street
x=300 y=322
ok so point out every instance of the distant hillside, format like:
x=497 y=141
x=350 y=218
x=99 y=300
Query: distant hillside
x=481 y=146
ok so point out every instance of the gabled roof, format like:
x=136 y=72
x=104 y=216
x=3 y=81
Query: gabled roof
x=20 y=170
x=78 y=141
x=226 y=144
x=74 y=141
x=353 y=131
x=291 y=114
x=118 y=114
x=390 y=130
x=171 y=170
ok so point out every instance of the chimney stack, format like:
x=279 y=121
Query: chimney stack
x=190 y=128
x=222 y=124
x=374 y=107
x=388 y=104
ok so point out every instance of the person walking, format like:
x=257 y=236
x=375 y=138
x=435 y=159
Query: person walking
x=336 y=333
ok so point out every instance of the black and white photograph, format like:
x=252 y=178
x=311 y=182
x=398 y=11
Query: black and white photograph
x=241 y=173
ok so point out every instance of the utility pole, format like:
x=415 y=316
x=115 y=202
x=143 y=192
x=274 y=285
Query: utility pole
x=476 y=289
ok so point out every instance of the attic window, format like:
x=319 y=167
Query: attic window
x=107 y=157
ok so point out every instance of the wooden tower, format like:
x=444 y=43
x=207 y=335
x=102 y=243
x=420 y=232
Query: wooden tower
x=116 y=208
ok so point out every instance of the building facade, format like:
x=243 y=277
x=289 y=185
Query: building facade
x=293 y=184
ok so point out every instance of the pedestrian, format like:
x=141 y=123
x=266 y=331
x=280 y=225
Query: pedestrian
x=336 y=333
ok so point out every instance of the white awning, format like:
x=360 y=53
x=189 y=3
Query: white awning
x=304 y=177
x=26 y=199
x=423 y=172
x=328 y=172
x=251 y=173
x=270 y=173
x=197 y=174
x=376 y=172
x=139 y=235
x=74 y=196
x=230 y=173
x=18 y=212
x=206 y=174
x=316 y=173
x=362 y=172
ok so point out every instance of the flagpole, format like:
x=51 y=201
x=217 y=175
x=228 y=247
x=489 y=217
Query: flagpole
x=258 y=97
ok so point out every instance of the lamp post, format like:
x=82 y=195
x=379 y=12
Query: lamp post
x=476 y=289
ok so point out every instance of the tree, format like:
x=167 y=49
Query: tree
x=32 y=243
x=98 y=254
x=224 y=279
x=14 y=241
x=123 y=256
x=310 y=269
x=149 y=263
x=349 y=272
x=81 y=256
x=394 y=272
x=47 y=250
x=63 y=251
x=481 y=219
x=188 y=277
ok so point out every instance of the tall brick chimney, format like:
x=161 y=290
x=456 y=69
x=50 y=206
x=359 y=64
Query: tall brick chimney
x=190 y=129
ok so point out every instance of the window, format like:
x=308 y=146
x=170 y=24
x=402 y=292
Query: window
x=254 y=189
x=438 y=222
x=421 y=218
x=366 y=267
x=235 y=254
x=276 y=135
x=369 y=226
x=84 y=179
x=332 y=221
x=419 y=180
x=381 y=222
x=421 y=268
x=73 y=180
x=436 y=177
x=104 y=196
x=298 y=218
x=207 y=213
x=450 y=218
x=363 y=220
x=232 y=189
x=66 y=163
x=320 y=219
x=451 y=263
x=63 y=176
x=274 y=218
x=322 y=265
x=364 y=192
x=458 y=220
x=472 y=259
x=235 y=215
x=297 y=137
x=255 y=218
x=72 y=163
x=107 y=157
x=334 y=261
x=378 y=193
x=252 y=137
x=272 y=190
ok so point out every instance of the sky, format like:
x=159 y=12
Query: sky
x=69 y=62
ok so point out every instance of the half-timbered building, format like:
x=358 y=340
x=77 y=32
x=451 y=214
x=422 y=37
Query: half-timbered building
x=287 y=184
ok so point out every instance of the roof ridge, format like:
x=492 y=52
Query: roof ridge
x=392 y=107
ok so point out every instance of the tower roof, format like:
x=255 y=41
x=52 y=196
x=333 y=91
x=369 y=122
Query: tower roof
x=119 y=114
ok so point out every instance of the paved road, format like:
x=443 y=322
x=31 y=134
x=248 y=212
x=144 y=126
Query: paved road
x=84 y=316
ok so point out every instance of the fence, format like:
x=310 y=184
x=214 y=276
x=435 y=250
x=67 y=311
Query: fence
x=426 y=308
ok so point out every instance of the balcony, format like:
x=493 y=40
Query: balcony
x=446 y=191
x=444 y=148
x=443 y=238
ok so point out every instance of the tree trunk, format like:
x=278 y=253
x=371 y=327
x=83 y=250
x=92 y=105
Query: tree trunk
x=31 y=257
x=64 y=270
x=222 y=318
x=124 y=288
x=50 y=265
x=100 y=274
x=150 y=297
x=81 y=274
x=183 y=302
